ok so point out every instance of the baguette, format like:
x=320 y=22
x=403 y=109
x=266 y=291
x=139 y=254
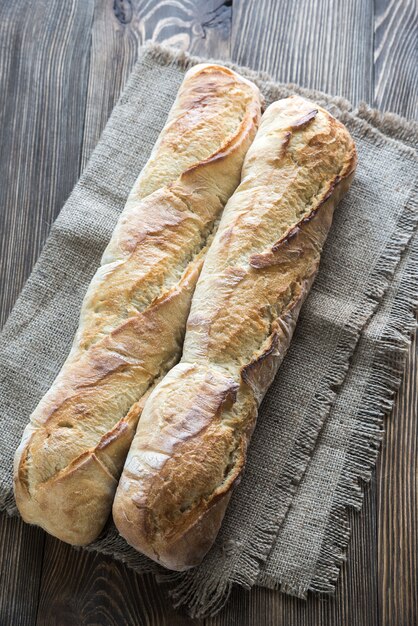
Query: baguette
x=190 y=446
x=134 y=314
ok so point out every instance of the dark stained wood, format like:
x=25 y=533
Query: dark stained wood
x=43 y=77
x=43 y=80
x=21 y=558
x=200 y=26
x=62 y=68
x=320 y=44
x=397 y=507
x=92 y=589
x=396 y=56
x=354 y=603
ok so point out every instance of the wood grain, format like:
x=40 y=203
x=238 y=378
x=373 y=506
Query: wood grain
x=320 y=44
x=202 y=27
x=355 y=602
x=42 y=85
x=396 y=56
x=93 y=589
x=43 y=78
x=21 y=558
x=397 y=507
x=62 y=68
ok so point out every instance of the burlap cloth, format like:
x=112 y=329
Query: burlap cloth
x=321 y=422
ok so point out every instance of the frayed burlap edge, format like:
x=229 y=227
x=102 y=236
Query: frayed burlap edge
x=205 y=598
x=379 y=397
x=363 y=448
x=390 y=124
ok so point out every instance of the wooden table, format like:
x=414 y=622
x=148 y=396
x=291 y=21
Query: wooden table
x=62 y=67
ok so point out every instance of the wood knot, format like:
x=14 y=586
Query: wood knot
x=123 y=10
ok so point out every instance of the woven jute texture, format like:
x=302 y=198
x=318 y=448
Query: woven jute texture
x=320 y=424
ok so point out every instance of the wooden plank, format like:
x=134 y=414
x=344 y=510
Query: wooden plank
x=202 y=27
x=83 y=588
x=356 y=592
x=43 y=82
x=21 y=549
x=355 y=601
x=395 y=57
x=320 y=44
x=397 y=505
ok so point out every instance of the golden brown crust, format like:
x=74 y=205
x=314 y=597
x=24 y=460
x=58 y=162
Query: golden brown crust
x=191 y=442
x=133 y=316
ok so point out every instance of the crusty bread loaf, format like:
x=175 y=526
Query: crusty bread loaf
x=191 y=442
x=134 y=314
